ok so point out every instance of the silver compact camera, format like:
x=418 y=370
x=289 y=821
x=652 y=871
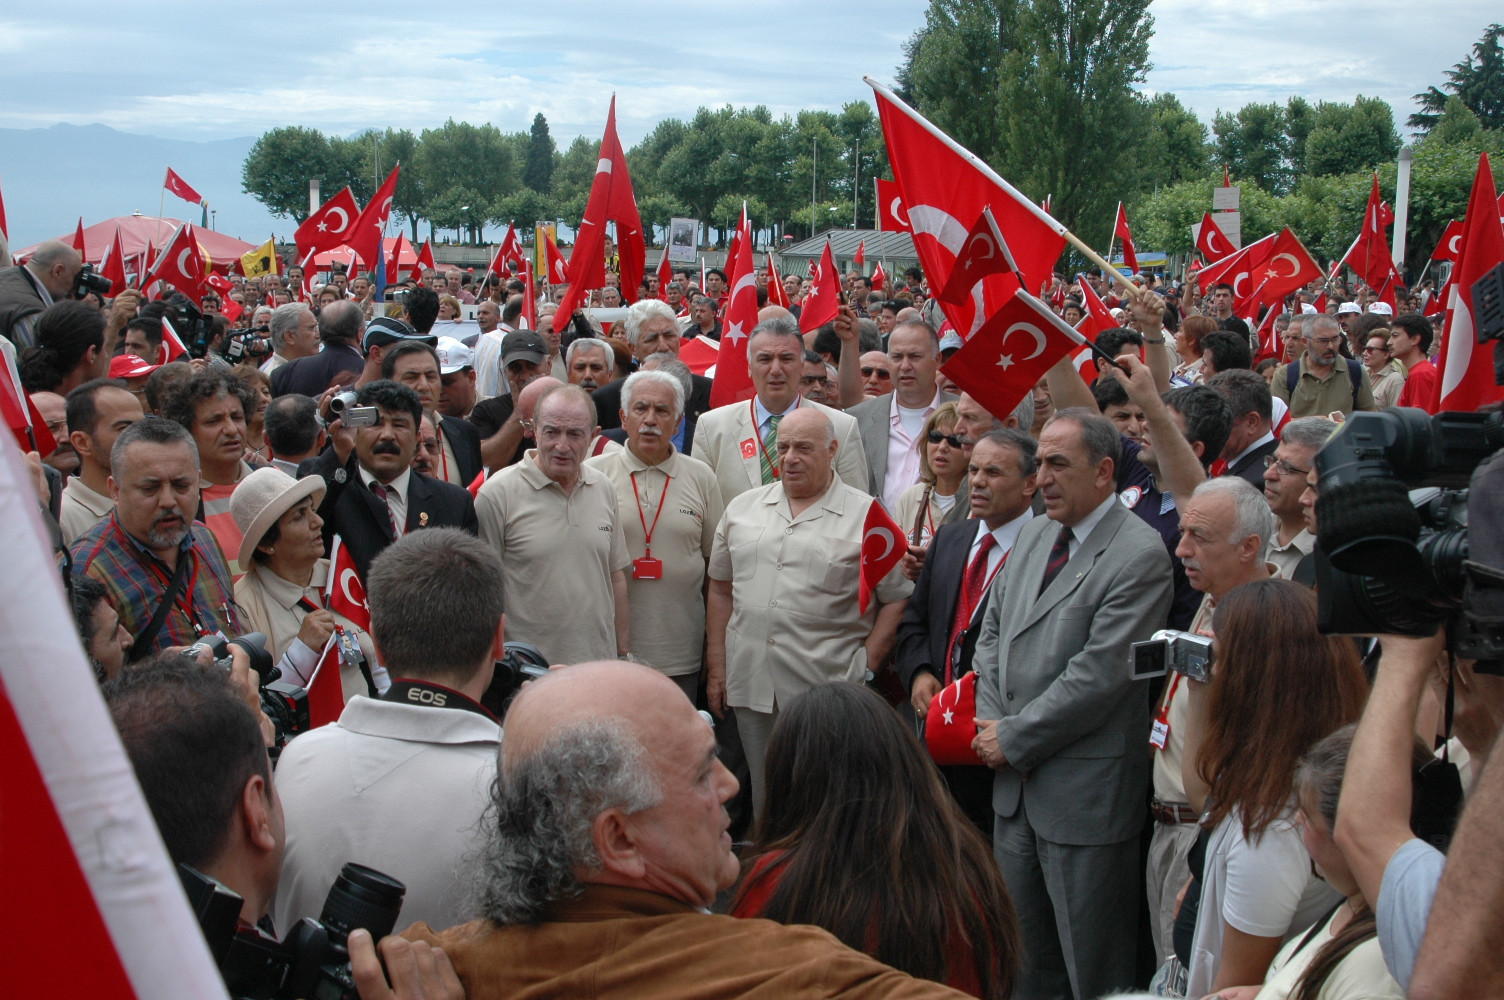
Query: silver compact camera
x=342 y=407
x=1170 y=649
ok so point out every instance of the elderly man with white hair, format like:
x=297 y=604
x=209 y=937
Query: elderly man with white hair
x=295 y=334
x=651 y=327
x=670 y=505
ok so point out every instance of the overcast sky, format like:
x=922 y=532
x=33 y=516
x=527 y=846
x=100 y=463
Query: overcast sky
x=199 y=71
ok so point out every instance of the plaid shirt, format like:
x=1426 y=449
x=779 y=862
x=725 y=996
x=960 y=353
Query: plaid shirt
x=135 y=580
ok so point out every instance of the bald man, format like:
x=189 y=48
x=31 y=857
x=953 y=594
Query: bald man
x=784 y=574
x=607 y=846
x=26 y=290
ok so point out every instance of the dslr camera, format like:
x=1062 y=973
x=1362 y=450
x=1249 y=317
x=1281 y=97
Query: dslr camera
x=523 y=662
x=313 y=961
x=284 y=702
x=90 y=281
x=1185 y=653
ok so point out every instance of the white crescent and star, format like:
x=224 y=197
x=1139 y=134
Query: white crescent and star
x=183 y=260
x=1294 y=266
x=1039 y=339
x=344 y=585
x=1242 y=276
x=939 y=224
x=896 y=208
x=887 y=537
x=991 y=247
x=344 y=218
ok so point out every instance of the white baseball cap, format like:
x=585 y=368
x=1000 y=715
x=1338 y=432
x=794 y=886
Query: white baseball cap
x=1348 y=307
x=1382 y=308
x=453 y=355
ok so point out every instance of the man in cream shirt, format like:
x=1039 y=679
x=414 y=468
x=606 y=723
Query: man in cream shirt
x=97 y=412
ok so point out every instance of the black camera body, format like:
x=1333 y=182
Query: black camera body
x=284 y=702
x=312 y=961
x=252 y=343
x=523 y=662
x=88 y=281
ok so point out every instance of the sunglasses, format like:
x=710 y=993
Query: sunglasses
x=954 y=440
x=1367 y=349
x=882 y=373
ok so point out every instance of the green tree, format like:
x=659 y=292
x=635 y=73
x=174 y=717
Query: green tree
x=1300 y=118
x=1175 y=149
x=538 y=171
x=1346 y=138
x=465 y=169
x=1478 y=81
x=1254 y=144
x=280 y=164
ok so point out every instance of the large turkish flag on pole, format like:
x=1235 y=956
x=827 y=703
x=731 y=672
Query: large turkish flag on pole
x=366 y=234
x=997 y=370
x=329 y=227
x=733 y=379
x=1466 y=367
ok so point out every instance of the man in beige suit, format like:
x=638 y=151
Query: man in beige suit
x=740 y=441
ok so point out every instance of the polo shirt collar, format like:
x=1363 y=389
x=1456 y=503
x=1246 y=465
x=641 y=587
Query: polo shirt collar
x=538 y=479
x=635 y=464
x=96 y=503
x=833 y=499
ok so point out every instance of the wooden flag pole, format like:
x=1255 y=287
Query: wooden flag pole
x=1133 y=290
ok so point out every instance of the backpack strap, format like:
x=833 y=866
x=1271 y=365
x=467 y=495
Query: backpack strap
x=1292 y=376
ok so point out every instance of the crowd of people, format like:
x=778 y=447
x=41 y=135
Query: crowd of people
x=751 y=771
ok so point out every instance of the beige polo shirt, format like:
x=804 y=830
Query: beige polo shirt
x=668 y=614
x=81 y=509
x=557 y=556
x=1316 y=397
x=794 y=617
x=1285 y=558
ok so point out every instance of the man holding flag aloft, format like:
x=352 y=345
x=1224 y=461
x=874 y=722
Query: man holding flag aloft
x=793 y=576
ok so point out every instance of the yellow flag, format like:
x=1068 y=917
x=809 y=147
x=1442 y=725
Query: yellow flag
x=262 y=260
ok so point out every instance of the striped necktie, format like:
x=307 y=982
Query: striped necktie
x=769 y=447
x=1059 y=556
x=380 y=491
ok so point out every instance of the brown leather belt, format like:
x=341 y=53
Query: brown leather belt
x=1172 y=813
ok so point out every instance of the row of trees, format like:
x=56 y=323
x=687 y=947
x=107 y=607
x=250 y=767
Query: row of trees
x=1046 y=91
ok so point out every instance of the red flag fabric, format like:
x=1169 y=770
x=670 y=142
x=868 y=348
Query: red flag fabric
x=365 y=236
x=882 y=548
x=665 y=274
x=1270 y=345
x=891 y=217
x=1271 y=279
x=509 y=257
x=172 y=344
x=332 y=225
x=113 y=266
x=777 y=294
x=1467 y=368
x=392 y=261
x=997 y=373
x=1450 y=243
x=425 y=259
x=1226 y=176
x=181 y=264
x=950 y=724
x=1435 y=303
x=879 y=278
x=861 y=254
x=1098 y=318
x=1121 y=231
x=984 y=253
x=4 y=227
x=529 y=297
x=1370 y=256
x=700 y=354
x=478 y=482
x=558 y=267
x=15 y=405
x=733 y=381
x=1236 y=268
x=1211 y=241
x=326 y=695
x=611 y=197
x=79 y=243
x=942 y=184
x=824 y=298
x=181 y=188
x=345 y=593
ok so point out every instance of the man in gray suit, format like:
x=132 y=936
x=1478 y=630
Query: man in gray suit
x=890 y=424
x=1061 y=723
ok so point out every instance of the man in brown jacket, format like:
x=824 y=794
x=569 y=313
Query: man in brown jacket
x=605 y=850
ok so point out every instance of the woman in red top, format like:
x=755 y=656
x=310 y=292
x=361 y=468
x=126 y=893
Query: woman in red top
x=859 y=836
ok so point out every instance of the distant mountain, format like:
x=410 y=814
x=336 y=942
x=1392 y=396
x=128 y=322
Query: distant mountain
x=51 y=176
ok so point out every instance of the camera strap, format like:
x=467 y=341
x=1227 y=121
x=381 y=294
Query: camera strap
x=175 y=585
x=407 y=691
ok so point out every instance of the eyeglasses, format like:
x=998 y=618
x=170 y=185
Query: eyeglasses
x=814 y=380
x=1384 y=349
x=1284 y=467
x=882 y=373
x=954 y=440
x=1325 y=341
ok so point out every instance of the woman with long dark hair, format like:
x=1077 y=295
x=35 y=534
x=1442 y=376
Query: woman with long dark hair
x=859 y=836
x=69 y=350
x=1278 y=686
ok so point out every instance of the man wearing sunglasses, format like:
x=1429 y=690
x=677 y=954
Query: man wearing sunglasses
x=877 y=377
x=890 y=424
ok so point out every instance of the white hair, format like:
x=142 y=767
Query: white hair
x=653 y=377
x=641 y=311
x=1252 y=516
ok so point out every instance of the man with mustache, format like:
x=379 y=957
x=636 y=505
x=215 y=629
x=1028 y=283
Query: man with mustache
x=163 y=574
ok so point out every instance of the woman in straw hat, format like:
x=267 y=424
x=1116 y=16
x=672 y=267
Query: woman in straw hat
x=282 y=591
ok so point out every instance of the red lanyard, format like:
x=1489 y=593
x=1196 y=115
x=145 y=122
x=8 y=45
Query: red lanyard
x=757 y=429
x=185 y=599
x=438 y=433
x=647 y=530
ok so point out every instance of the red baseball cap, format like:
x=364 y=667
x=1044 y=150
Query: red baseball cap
x=130 y=366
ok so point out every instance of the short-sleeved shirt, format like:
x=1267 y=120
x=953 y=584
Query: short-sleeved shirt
x=558 y=552
x=1420 y=387
x=680 y=500
x=1405 y=897
x=81 y=509
x=795 y=621
x=1316 y=397
x=488 y=417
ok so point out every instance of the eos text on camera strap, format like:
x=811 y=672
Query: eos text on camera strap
x=406 y=691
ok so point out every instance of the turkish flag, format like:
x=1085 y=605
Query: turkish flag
x=1466 y=367
x=478 y=482
x=558 y=268
x=113 y=265
x=79 y=243
x=1286 y=267
x=1450 y=243
x=16 y=406
x=365 y=236
x=1370 y=256
x=861 y=254
x=665 y=274
x=1269 y=339
x=391 y=264
x=181 y=264
x=1121 y=231
x=344 y=592
x=879 y=278
x=700 y=354
x=509 y=257
x=529 y=297
x=1236 y=268
x=332 y=225
x=777 y=294
x=1435 y=303
x=425 y=259
x=1098 y=318
x=943 y=184
x=891 y=217
x=824 y=299
x=611 y=197
x=1211 y=241
x=326 y=691
x=882 y=548
x=172 y=344
x=733 y=380
x=998 y=371
x=181 y=188
x=984 y=254
x=950 y=724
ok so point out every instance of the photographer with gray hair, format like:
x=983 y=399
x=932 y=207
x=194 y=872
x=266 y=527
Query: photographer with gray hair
x=651 y=328
x=400 y=782
x=606 y=844
x=294 y=334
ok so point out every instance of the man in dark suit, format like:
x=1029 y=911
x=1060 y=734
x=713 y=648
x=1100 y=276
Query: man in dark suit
x=416 y=365
x=890 y=424
x=1251 y=437
x=651 y=328
x=938 y=635
x=373 y=495
x=341 y=325
x=1060 y=720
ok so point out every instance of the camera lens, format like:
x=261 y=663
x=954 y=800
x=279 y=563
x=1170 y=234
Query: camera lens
x=254 y=644
x=362 y=897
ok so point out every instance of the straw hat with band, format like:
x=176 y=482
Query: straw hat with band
x=260 y=501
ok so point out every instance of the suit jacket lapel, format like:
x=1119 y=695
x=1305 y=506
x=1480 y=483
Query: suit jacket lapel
x=1075 y=569
x=419 y=502
x=744 y=430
